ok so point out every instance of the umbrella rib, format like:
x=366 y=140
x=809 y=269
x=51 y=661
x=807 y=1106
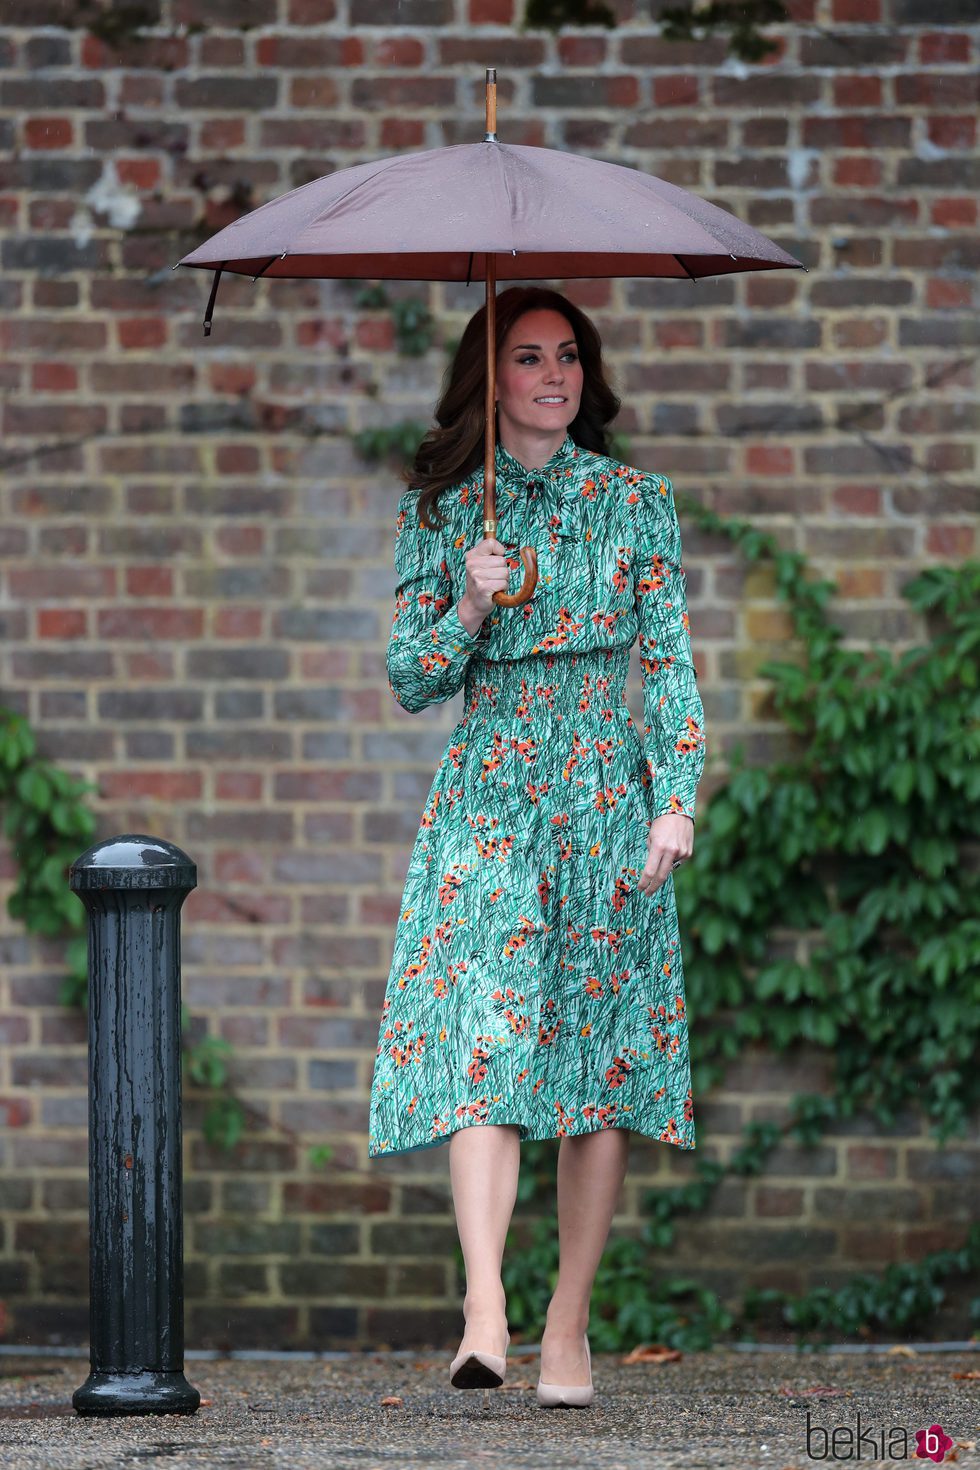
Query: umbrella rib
x=690 y=273
x=265 y=267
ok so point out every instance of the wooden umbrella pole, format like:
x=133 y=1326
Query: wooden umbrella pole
x=490 y=436
x=528 y=554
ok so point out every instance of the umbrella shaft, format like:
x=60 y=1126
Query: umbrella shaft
x=489 y=446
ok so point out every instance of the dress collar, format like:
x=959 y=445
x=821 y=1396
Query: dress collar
x=550 y=494
x=509 y=467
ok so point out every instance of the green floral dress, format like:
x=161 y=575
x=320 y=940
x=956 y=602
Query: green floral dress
x=532 y=982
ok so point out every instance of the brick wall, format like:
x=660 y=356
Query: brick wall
x=197 y=565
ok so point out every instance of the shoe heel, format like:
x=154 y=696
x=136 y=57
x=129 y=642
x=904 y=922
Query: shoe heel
x=572 y=1396
x=478 y=1370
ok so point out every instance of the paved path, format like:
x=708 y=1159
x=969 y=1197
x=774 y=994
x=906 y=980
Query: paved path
x=726 y=1408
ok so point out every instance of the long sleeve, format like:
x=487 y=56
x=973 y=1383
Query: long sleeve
x=428 y=648
x=673 y=717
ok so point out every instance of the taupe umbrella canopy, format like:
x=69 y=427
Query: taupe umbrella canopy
x=487 y=211
x=435 y=216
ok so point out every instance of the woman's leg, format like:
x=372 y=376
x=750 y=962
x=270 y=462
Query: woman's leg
x=484 y=1160
x=591 y=1170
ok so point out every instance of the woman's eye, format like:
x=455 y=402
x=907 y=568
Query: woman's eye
x=573 y=356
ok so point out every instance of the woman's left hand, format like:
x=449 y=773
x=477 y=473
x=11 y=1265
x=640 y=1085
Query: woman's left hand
x=671 y=840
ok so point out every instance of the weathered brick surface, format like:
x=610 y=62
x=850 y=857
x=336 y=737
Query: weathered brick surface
x=196 y=577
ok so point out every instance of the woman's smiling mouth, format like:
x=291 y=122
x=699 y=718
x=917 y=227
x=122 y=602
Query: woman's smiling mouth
x=553 y=400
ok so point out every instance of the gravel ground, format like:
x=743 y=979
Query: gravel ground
x=724 y=1408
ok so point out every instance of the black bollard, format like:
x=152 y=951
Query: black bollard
x=133 y=887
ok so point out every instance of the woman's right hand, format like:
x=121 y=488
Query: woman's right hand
x=487 y=572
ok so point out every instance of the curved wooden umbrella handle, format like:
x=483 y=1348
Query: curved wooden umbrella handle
x=529 y=556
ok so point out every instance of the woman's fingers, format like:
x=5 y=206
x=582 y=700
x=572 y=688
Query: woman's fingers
x=671 y=840
x=487 y=572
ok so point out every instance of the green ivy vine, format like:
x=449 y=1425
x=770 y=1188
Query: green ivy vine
x=858 y=842
x=47 y=823
x=689 y=21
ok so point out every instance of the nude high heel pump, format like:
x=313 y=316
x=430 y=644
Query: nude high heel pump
x=479 y=1370
x=574 y=1396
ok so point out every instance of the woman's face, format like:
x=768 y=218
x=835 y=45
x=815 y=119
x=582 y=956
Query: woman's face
x=539 y=375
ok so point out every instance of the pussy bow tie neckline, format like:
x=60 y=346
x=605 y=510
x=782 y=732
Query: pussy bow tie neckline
x=510 y=468
x=551 y=493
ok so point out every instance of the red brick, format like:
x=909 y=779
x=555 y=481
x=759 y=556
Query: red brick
x=399 y=51
x=858 y=499
x=222 y=134
x=48 y=132
x=582 y=50
x=240 y=540
x=938 y=47
x=871 y=1161
x=139 y=333
x=768 y=459
x=139 y=173
x=858 y=173
x=148 y=622
x=316 y=92
x=491 y=12
x=53 y=622
x=858 y=89
x=859 y=12
x=237 y=622
x=238 y=785
x=164 y=785
x=944 y=294
x=237 y=459
x=310 y=12
x=954 y=214
x=16 y=1111
x=678 y=333
x=402 y=132
x=778 y=1202
x=54 y=377
x=938 y=89
x=307 y=52
x=958 y=132
x=950 y=540
x=43 y=584
x=149 y=581
x=375 y=334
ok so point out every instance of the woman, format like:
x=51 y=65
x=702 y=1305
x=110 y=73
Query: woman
x=536 y=987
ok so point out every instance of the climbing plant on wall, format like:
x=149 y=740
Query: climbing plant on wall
x=48 y=824
x=692 y=20
x=858 y=843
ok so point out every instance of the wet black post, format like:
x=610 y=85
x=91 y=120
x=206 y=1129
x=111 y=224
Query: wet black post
x=133 y=887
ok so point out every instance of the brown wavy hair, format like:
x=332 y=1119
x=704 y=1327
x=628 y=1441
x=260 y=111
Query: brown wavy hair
x=454 y=448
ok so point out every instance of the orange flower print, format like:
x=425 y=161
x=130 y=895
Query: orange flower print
x=532 y=982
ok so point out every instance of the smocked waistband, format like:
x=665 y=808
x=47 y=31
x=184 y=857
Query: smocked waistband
x=592 y=677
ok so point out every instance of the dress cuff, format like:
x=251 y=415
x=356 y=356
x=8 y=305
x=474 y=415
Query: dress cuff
x=452 y=634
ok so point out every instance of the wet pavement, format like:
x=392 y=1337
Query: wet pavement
x=725 y=1408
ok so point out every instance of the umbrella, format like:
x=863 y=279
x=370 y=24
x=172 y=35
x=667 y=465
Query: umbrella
x=486 y=211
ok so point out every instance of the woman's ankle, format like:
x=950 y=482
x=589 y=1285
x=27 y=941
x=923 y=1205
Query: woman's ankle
x=567 y=1322
x=484 y=1303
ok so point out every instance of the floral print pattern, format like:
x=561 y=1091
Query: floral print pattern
x=532 y=982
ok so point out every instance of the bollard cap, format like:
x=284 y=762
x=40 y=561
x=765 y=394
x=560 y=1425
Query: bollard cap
x=132 y=861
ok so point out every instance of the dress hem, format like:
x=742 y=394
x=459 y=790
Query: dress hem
x=527 y=1136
